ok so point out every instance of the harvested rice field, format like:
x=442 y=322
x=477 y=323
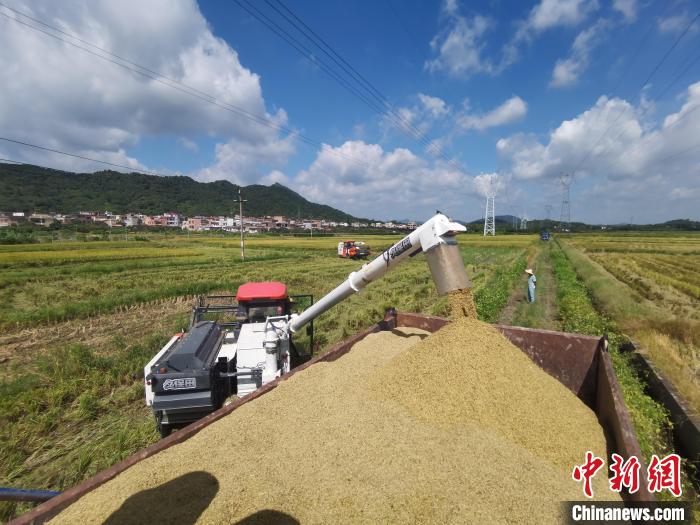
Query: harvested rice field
x=453 y=427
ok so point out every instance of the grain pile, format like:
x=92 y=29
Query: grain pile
x=457 y=427
x=461 y=304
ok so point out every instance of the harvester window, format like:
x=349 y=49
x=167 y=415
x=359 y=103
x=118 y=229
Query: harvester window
x=262 y=312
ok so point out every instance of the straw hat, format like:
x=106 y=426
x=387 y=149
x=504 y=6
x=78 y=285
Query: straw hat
x=529 y=270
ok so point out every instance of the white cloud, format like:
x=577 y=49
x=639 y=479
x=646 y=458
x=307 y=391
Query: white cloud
x=634 y=162
x=554 y=13
x=628 y=8
x=275 y=177
x=435 y=105
x=568 y=71
x=82 y=104
x=510 y=111
x=418 y=119
x=674 y=23
x=459 y=44
x=546 y=15
x=489 y=184
x=188 y=144
x=384 y=184
x=243 y=162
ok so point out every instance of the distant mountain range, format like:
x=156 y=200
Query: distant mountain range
x=26 y=187
x=499 y=219
x=533 y=225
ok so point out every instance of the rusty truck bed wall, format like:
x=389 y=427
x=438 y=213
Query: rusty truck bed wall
x=581 y=363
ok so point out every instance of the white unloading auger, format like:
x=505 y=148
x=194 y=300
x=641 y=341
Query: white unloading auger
x=435 y=238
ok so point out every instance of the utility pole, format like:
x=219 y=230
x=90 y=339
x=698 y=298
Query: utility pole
x=565 y=217
x=548 y=210
x=240 y=202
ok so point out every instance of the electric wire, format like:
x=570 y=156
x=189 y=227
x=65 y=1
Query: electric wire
x=253 y=11
x=392 y=8
x=372 y=97
x=174 y=84
x=644 y=84
x=326 y=48
x=75 y=155
x=659 y=96
x=273 y=26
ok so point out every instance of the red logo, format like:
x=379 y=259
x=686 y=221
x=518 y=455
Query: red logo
x=625 y=474
x=662 y=473
x=665 y=474
x=586 y=472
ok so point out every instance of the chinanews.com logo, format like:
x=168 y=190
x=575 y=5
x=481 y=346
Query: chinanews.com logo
x=662 y=474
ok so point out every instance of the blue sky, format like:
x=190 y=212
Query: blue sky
x=515 y=93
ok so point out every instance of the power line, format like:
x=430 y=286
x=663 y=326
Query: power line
x=644 y=84
x=355 y=82
x=273 y=26
x=639 y=47
x=400 y=20
x=171 y=83
x=327 y=49
x=670 y=126
x=75 y=155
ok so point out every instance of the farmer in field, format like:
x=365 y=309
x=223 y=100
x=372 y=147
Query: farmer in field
x=531 y=283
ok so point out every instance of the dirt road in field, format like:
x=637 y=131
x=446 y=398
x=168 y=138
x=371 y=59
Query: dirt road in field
x=543 y=313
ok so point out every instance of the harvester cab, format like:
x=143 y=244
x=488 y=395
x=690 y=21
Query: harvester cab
x=233 y=348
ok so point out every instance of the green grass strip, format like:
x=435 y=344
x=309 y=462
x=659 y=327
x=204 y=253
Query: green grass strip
x=650 y=419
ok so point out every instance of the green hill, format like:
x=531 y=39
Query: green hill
x=33 y=188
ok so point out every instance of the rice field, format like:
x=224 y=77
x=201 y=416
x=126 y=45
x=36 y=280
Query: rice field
x=649 y=284
x=57 y=282
x=79 y=320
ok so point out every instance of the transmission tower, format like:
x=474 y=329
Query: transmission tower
x=548 y=210
x=523 y=223
x=565 y=217
x=490 y=214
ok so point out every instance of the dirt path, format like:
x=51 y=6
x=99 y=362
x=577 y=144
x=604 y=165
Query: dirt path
x=543 y=313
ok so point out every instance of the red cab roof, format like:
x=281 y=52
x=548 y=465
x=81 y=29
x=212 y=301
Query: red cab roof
x=268 y=290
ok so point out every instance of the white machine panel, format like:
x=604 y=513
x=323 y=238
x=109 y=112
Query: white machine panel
x=251 y=354
x=228 y=346
x=147 y=368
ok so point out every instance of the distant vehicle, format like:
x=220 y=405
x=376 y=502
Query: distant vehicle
x=353 y=250
x=544 y=236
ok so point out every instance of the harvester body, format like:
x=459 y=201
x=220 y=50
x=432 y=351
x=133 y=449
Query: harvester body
x=226 y=351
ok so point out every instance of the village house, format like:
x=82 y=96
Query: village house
x=42 y=219
x=7 y=220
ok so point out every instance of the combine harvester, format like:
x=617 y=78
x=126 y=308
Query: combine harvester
x=189 y=380
x=353 y=250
